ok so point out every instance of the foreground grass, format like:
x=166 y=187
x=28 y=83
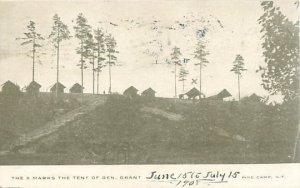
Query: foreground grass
x=119 y=133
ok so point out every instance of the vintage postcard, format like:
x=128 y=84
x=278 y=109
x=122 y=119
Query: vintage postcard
x=149 y=93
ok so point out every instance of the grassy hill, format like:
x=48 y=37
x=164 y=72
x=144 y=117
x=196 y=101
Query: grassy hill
x=173 y=131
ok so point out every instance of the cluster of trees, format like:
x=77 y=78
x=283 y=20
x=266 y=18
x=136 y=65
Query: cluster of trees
x=200 y=54
x=280 y=37
x=95 y=47
x=280 y=73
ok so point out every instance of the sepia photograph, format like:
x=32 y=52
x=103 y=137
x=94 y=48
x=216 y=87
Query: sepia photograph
x=149 y=82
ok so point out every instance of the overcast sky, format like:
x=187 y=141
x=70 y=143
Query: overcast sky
x=144 y=31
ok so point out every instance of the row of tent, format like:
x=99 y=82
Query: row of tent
x=9 y=88
x=133 y=92
x=34 y=87
x=194 y=93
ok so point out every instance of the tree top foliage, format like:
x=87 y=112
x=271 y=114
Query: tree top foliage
x=100 y=40
x=280 y=37
x=200 y=53
x=183 y=73
x=82 y=28
x=175 y=55
x=111 y=45
x=59 y=31
x=31 y=37
x=238 y=65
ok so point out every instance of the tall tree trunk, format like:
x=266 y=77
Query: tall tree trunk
x=182 y=85
x=97 y=81
x=239 y=87
x=82 y=80
x=57 y=63
x=200 y=80
x=81 y=59
x=175 y=81
x=93 y=73
x=98 y=66
x=33 y=58
x=109 y=64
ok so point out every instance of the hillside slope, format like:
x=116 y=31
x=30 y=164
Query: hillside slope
x=153 y=131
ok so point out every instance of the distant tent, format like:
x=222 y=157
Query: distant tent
x=148 y=93
x=220 y=96
x=76 y=88
x=33 y=88
x=10 y=88
x=191 y=94
x=60 y=88
x=253 y=98
x=131 y=92
x=224 y=94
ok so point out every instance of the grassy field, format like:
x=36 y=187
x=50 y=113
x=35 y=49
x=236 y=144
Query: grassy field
x=119 y=132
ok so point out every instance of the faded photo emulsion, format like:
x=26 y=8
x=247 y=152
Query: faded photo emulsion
x=149 y=82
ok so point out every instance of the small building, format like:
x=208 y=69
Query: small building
x=148 y=93
x=223 y=94
x=60 y=88
x=9 y=88
x=131 y=92
x=76 y=88
x=253 y=98
x=220 y=96
x=33 y=88
x=191 y=94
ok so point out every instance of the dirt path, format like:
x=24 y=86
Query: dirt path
x=177 y=117
x=53 y=126
x=169 y=115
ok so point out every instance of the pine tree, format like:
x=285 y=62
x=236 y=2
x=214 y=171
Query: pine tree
x=111 y=49
x=90 y=47
x=59 y=33
x=100 y=48
x=175 y=60
x=32 y=38
x=82 y=29
x=238 y=68
x=182 y=76
x=200 y=53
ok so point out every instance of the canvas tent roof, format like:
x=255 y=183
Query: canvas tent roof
x=59 y=85
x=193 y=92
x=131 y=89
x=224 y=93
x=34 y=84
x=77 y=85
x=8 y=82
x=254 y=95
x=221 y=95
x=149 y=90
